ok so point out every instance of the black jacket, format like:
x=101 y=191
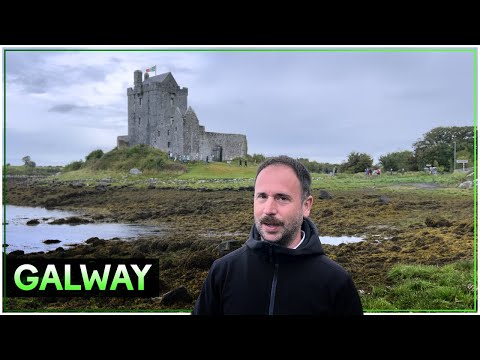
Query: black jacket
x=264 y=278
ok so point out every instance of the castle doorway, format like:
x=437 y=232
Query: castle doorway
x=217 y=153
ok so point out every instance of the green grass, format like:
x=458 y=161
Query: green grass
x=355 y=181
x=115 y=175
x=26 y=170
x=218 y=170
x=425 y=288
x=222 y=175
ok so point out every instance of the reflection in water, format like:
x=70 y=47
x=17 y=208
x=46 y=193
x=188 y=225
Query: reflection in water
x=20 y=236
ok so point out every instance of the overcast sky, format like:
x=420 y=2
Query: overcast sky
x=321 y=105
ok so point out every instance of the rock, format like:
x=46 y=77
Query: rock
x=439 y=222
x=73 y=220
x=325 y=195
x=51 y=241
x=466 y=185
x=135 y=171
x=95 y=241
x=384 y=200
x=77 y=184
x=17 y=252
x=179 y=295
x=33 y=222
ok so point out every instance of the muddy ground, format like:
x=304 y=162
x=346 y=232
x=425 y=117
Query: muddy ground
x=402 y=224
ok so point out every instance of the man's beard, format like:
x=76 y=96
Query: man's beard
x=289 y=230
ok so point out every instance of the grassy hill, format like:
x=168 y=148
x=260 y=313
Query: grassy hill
x=153 y=163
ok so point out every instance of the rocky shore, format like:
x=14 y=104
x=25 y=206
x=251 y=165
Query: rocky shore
x=406 y=225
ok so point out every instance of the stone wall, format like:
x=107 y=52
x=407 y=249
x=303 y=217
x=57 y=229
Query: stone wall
x=233 y=145
x=122 y=141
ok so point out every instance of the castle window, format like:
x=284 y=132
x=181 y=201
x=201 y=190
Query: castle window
x=175 y=128
x=138 y=121
x=171 y=120
x=169 y=144
x=158 y=131
x=168 y=132
x=140 y=100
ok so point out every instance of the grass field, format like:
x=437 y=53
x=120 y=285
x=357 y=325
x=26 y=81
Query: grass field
x=200 y=174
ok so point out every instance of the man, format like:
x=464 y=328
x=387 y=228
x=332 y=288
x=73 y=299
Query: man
x=282 y=269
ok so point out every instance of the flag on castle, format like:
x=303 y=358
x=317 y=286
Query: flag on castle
x=153 y=68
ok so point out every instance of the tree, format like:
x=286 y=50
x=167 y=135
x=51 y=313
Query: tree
x=28 y=162
x=255 y=158
x=438 y=145
x=316 y=167
x=356 y=162
x=398 y=161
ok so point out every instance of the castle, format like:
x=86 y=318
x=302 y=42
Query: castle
x=158 y=116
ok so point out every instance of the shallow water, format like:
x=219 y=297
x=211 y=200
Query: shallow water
x=330 y=240
x=337 y=240
x=29 y=238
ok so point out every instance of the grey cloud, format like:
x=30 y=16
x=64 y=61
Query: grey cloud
x=41 y=77
x=35 y=84
x=66 y=108
x=99 y=112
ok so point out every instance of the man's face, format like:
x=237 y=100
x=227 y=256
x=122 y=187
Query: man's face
x=278 y=207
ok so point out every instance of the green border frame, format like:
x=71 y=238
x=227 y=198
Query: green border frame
x=254 y=49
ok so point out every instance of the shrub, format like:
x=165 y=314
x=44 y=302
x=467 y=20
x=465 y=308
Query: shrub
x=94 y=155
x=74 y=165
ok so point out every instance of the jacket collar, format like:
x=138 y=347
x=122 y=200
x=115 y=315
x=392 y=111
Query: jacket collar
x=310 y=246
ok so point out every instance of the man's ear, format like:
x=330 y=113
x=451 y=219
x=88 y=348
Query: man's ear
x=307 y=206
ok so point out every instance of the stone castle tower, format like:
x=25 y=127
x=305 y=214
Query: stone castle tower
x=158 y=116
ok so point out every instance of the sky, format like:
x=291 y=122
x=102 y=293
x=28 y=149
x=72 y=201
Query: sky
x=320 y=104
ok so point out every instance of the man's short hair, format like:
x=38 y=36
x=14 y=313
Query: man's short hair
x=298 y=168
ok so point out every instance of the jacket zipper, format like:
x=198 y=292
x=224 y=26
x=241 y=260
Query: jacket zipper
x=273 y=290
